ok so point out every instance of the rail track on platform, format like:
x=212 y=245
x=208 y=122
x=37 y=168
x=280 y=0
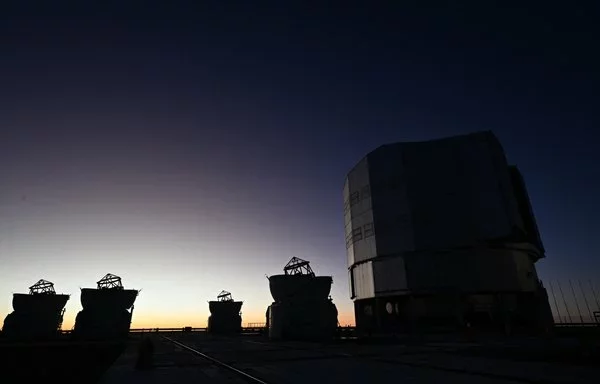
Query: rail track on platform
x=320 y=351
x=238 y=372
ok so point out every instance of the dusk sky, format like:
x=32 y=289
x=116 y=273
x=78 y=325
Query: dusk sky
x=191 y=149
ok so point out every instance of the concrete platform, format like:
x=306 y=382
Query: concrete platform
x=287 y=362
x=172 y=365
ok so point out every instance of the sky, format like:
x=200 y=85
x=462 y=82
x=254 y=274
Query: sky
x=191 y=148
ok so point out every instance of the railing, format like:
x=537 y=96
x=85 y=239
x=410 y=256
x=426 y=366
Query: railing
x=181 y=329
x=565 y=325
x=256 y=325
x=251 y=328
x=246 y=330
x=573 y=301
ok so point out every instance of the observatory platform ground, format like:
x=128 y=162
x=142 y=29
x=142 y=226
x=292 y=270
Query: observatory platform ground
x=199 y=357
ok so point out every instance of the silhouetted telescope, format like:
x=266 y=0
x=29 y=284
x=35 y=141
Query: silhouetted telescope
x=299 y=283
x=37 y=315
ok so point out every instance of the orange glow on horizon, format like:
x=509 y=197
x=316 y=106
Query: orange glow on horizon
x=174 y=321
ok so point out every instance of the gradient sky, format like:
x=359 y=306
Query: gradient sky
x=192 y=149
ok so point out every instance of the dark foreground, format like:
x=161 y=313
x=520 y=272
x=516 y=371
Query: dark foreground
x=59 y=361
x=197 y=357
x=182 y=357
